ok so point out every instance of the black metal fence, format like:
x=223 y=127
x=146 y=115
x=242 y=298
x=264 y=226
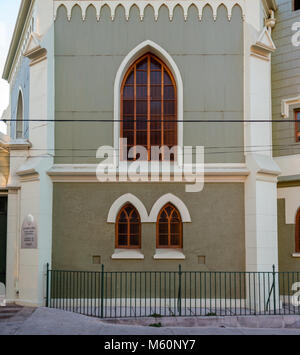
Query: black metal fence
x=108 y=294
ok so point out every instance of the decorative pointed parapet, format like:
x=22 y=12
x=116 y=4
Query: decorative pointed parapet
x=34 y=50
x=264 y=45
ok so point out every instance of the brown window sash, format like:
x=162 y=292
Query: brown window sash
x=167 y=130
x=128 y=224
x=173 y=212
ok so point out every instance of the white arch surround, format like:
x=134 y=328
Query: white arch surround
x=138 y=51
x=177 y=202
x=121 y=201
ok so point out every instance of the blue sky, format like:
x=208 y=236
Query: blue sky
x=8 y=15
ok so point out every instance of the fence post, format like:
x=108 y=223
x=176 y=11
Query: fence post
x=179 y=291
x=102 y=289
x=47 y=285
x=274 y=289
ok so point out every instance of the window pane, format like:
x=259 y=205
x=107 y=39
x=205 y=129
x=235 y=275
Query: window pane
x=128 y=123
x=134 y=228
x=130 y=79
x=128 y=92
x=155 y=92
x=142 y=65
x=141 y=77
x=163 y=240
x=155 y=77
x=134 y=240
x=141 y=123
x=141 y=137
x=122 y=240
x=128 y=107
x=169 y=93
x=155 y=65
x=155 y=107
x=141 y=107
x=169 y=107
x=141 y=92
x=122 y=228
x=155 y=138
x=175 y=240
x=167 y=79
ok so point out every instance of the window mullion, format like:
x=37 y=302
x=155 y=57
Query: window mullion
x=169 y=231
x=148 y=109
x=134 y=112
x=162 y=112
x=128 y=232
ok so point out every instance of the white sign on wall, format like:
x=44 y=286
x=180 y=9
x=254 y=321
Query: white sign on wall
x=29 y=233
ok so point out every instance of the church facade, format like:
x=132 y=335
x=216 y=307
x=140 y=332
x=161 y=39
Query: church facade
x=85 y=75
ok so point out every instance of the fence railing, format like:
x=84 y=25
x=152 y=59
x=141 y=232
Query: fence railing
x=110 y=294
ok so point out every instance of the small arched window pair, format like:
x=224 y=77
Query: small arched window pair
x=168 y=228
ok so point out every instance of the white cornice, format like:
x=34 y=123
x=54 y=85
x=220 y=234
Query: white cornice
x=142 y=4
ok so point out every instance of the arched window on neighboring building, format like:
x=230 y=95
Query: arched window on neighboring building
x=297 y=241
x=20 y=115
x=128 y=228
x=169 y=228
x=149 y=106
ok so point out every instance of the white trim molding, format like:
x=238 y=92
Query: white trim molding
x=142 y=4
x=286 y=103
x=134 y=54
x=125 y=254
x=169 y=254
x=177 y=202
x=121 y=201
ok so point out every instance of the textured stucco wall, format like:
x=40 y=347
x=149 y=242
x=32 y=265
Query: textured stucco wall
x=21 y=82
x=208 y=53
x=285 y=78
x=286 y=241
x=4 y=167
x=80 y=228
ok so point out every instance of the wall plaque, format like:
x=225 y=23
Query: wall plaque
x=29 y=233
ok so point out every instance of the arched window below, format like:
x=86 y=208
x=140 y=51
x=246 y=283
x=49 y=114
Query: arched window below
x=169 y=228
x=20 y=113
x=128 y=228
x=149 y=107
x=298 y=232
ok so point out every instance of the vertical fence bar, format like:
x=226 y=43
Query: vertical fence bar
x=102 y=290
x=274 y=288
x=47 y=285
x=179 y=290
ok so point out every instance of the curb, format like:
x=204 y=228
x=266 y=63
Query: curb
x=272 y=322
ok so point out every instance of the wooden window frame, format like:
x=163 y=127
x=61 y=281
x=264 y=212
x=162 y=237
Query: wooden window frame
x=163 y=69
x=294 y=6
x=169 y=246
x=297 y=132
x=128 y=246
x=297 y=232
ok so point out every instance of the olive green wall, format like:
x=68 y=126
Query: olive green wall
x=286 y=241
x=285 y=78
x=4 y=164
x=208 y=53
x=81 y=231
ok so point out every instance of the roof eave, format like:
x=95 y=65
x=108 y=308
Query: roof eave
x=21 y=19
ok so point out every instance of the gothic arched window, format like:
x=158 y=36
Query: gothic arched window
x=20 y=113
x=149 y=106
x=128 y=228
x=169 y=228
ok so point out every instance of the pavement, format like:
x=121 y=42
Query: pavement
x=15 y=320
